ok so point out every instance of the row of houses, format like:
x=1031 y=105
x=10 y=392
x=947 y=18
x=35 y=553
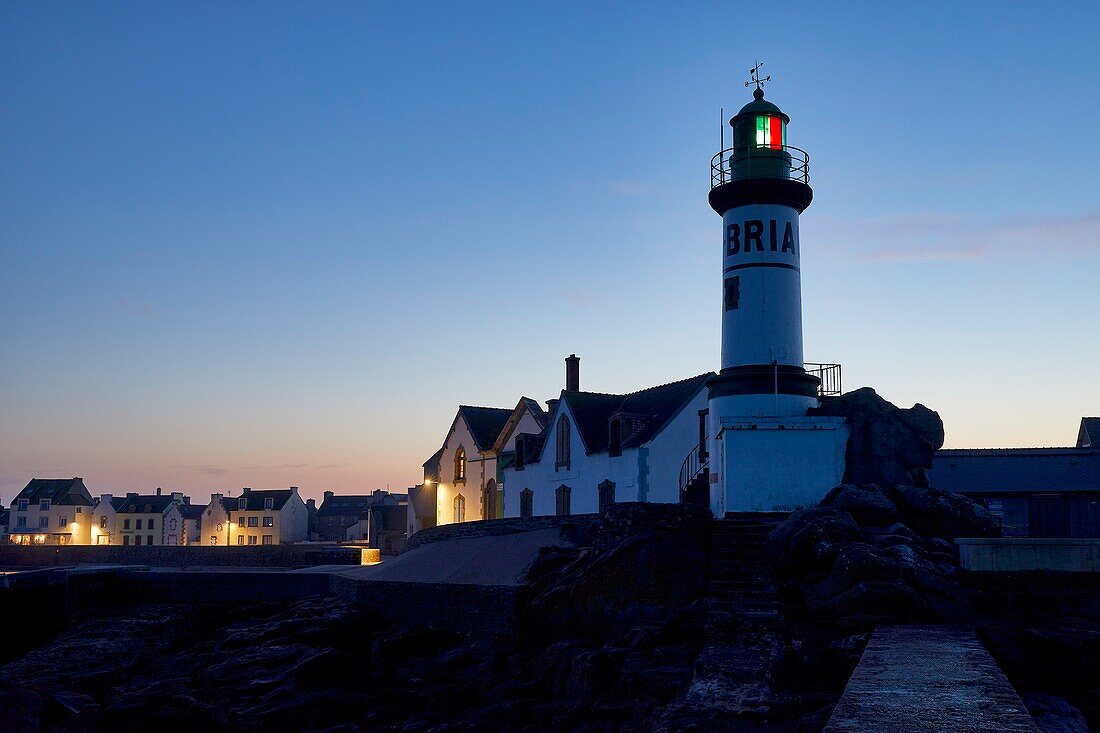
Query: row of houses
x=64 y=512
x=588 y=448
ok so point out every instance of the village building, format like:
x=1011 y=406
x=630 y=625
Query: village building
x=191 y=516
x=381 y=526
x=464 y=474
x=1033 y=492
x=266 y=517
x=139 y=519
x=4 y=524
x=51 y=512
x=338 y=512
x=600 y=448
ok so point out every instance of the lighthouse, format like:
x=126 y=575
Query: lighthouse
x=767 y=453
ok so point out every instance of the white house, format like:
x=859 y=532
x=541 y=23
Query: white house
x=139 y=519
x=464 y=474
x=268 y=517
x=51 y=512
x=637 y=441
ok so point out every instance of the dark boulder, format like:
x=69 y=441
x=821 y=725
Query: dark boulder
x=1054 y=715
x=888 y=445
x=869 y=506
x=811 y=538
x=935 y=513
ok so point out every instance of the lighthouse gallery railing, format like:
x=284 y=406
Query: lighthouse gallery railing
x=720 y=171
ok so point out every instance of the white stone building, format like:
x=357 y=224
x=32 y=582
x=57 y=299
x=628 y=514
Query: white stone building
x=637 y=441
x=267 y=517
x=140 y=519
x=51 y=512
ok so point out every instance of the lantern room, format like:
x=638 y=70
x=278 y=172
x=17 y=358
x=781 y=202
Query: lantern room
x=759 y=141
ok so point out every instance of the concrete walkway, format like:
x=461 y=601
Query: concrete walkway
x=493 y=560
x=928 y=678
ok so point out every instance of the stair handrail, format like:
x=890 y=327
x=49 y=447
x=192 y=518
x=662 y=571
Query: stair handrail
x=697 y=461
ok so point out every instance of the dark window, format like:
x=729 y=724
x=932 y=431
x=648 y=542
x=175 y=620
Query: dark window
x=44 y=505
x=460 y=465
x=149 y=540
x=150 y=524
x=252 y=539
x=125 y=539
x=126 y=524
x=519 y=453
x=562 y=441
x=103 y=522
x=22 y=505
x=615 y=438
x=267 y=539
x=62 y=520
x=253 y=521
x=44 y=522
x=526 y=503
x=137 y=539
x=242 y=503
x=269 y=521
x=137 y=524
x=562 y=504
x=733 y=293
x=269 y=503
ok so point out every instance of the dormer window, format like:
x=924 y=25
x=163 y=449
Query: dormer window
x=242 y=503
x=22 y=505
x=269 y=503
x=615 y=438
x=519 y=452
x=460 y=466
x=148 y=508
x=44 y=505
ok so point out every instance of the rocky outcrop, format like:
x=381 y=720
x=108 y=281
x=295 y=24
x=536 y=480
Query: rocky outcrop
x=888 y=445
x=868 y=554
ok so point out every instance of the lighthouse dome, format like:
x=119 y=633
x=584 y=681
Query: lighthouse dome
x=760 y=106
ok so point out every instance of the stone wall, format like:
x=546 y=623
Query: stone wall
x=273 y=556
x=1014 y=554
x=453 y=606
x=627 y=519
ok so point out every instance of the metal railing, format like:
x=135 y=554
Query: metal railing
x=829 y=374
x=696 y=462
x=755 y=161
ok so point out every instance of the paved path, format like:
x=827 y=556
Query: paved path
x=486 y=560
x=928 y=678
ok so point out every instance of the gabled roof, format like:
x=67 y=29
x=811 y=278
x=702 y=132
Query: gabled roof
x=1089 y=434
x=142 y=503
x=525 y=405
x=192 y=511
x=255 y=500
x=61 y=491
x=1008 y=470
x=344 y=504
x=649 y=410
x=485 y=423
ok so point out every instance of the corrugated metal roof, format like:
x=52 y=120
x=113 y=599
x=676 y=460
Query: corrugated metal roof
x=992 y=470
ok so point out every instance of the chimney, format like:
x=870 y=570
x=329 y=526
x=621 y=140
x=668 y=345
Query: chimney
x=216 y=498
x=158 y=491
x=178 y=496
x=294 y=489
x=551 y=405
x=246 y=490
x=572 y=373
x=130 y=494
x=106 y=498
x=328 y=495
x=311 y=503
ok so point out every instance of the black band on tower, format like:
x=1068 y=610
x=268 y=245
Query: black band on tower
x=763 y=379
x=781 y=191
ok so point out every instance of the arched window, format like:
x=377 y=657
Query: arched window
x=562 y=440
x=460 y=466
x=562 y=507
x=489 y=500
x=526 y=503
x=460 y=508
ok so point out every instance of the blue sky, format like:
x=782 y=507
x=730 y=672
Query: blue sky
x=269 y=244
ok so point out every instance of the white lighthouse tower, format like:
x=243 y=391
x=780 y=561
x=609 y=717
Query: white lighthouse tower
x=766 y=454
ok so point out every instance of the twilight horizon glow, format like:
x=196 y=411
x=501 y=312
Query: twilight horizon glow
x=279 y=245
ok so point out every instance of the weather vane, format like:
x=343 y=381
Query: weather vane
x=754 y=72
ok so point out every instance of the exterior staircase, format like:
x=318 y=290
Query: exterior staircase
x=741 y=589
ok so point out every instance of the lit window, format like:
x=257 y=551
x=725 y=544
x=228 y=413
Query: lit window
x=770 y=132
x=460 y=465
x=269 y=521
